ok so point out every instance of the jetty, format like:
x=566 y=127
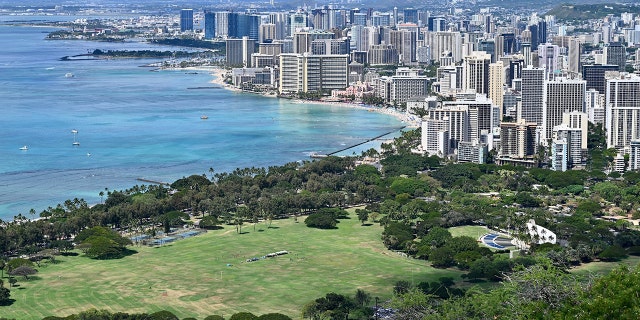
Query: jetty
x=154 y=181
x=318 y=155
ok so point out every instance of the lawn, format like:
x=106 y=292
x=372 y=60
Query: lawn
x=206 y=274
x=474 y=232
x=600 y=267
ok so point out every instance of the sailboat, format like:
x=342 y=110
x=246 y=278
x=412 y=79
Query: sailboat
x=75 y=142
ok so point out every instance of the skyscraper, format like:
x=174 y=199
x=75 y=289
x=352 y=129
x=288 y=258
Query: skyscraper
x=186 y=20
x=517 y=140
x=209 y=25
x=239 y=51
x=623 y=111
x=476 y=72
x=560 y=95
x=549 y=57
x=615 y=54
x=575 y=49
x=595 y=76
x=496 y=84
x=532 y=95
x=410 y=15
x=405 y=42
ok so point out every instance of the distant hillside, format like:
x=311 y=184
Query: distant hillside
x=591 y=11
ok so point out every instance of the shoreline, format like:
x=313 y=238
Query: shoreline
x=411 y=121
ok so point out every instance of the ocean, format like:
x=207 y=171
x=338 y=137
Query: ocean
x=134 y=123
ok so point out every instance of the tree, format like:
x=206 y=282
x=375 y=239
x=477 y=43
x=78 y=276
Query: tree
x=411 y=305
x=5 y=294
x=436 y=237
x=24 y=271
x=16 y=263
x=209 y=222
x=613 y=296
x=214 y=317
x=274 y=316
x=363 y=215
x=103 y=243
x=163 y=315
x=362 y=298
x=243 y=316
x=321 y=221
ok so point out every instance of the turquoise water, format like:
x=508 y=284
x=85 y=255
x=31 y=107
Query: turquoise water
x=134 y=123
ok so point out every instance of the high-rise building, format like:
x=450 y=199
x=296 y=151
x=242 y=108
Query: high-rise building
x=560 y=155
x=542 y=31
x=481 y=114
x=623 y=111
x=594 y=105
x=239 y=51
x=549 y=57
x=634 y=155
x=222 y=24
x=560 y=95
x=595 y=76
x=615 y=54
x=406 y=84
x=532 y=95
x=476 y=72
x=330 y=46
x=579 y=121
x=312 y=73
x=474 y=152
x=267 y=31
x=517 y=140
x=457 y=123
x=298 y=22
x=382 y=54
x=436 y=24
x=405 y=42
x=435 y=139
x=441 y=42
x=575 y=49
x=186 y=20
x=496 y=85
x=302 y=40
x=359 y=19
x=209 y=25
x=410 y=15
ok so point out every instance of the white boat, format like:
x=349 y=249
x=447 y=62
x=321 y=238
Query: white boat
x=68 y=75
x=75 y=142
x=24 y=148
x=204 y=117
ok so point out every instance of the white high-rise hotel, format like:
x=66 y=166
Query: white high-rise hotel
x=623 y=111
x=560 y=95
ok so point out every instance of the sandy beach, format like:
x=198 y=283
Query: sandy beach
x=411 y=121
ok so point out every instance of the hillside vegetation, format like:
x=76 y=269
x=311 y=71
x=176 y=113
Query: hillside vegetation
x=590 y=11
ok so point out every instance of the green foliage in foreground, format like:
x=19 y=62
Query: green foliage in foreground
x=544 y=292
x=160 y=315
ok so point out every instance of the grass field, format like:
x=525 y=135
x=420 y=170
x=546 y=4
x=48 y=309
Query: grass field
x=600 y=268
x=191 y=277
x=470 y=231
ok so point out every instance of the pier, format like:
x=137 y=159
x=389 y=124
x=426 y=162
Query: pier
x=317 y=155
x=154 y=181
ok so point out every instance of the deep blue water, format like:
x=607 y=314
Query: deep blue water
x=136 y=123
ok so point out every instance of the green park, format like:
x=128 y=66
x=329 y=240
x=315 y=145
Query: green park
x=208 y=274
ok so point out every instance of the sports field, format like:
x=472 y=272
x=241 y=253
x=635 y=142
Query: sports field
x=207 y=274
